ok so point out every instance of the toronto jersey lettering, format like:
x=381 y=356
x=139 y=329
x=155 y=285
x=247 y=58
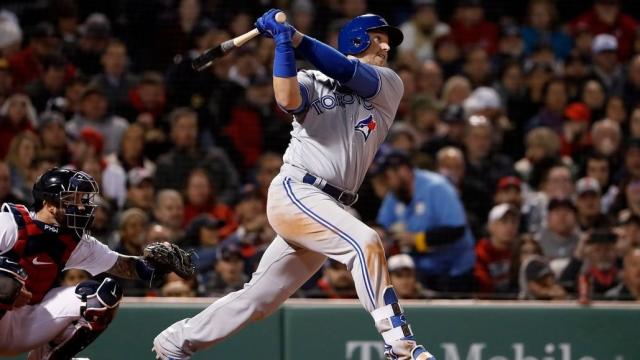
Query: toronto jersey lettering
x=338 y=135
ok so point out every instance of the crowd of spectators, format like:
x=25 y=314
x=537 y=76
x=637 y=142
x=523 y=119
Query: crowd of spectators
x=512 y=169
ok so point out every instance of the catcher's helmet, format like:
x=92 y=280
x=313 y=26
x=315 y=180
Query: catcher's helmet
x=74 y=191
x=354 y=37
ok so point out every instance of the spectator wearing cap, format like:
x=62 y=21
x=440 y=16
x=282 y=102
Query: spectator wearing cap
x=93 y=114
x=592 y=269
x=115 y=78
x=173 y=167
x=140 y=190
x=606 y=67
x=475 y=197
x=631 y=90
x=551 y=114
x=541 y=27
x=95 y=34
x=606 y=18
x=422 y=30
x=50 y=84
x=560 y=236
x=423 y=213
x=470 y=29
x=202 y=235
x=509 y=190
x=483 y=163
x=129 y=157
x=26 y=65
x=629 y=287
x=575 y=130
x=17 y=114
x=228 y=273
x=402 y=271
x=132 y=227
x=537 y=281
x=494 y=253
x=336 y=283
x=588 y=205
x=511 y=46
x=88 y=144
x=200 y=198
x=168 y=210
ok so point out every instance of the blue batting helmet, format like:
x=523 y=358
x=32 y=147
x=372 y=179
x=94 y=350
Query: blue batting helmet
x=354 y=37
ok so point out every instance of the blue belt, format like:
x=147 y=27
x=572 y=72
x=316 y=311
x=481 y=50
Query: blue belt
x=344 y=197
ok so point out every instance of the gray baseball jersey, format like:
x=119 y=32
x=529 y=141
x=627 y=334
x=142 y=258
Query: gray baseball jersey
x=340 y=133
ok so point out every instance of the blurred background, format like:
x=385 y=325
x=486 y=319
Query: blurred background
x=529 y=111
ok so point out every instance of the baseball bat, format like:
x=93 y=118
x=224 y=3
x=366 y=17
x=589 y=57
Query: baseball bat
x=209 y=56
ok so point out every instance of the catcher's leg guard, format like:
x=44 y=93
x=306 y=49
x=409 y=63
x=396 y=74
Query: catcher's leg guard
x=100 y=302
x=399 y=342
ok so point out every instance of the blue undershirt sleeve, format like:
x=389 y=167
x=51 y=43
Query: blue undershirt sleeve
x=359 y=77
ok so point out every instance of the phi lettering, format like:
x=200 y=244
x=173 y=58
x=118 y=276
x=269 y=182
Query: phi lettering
x=51 y=228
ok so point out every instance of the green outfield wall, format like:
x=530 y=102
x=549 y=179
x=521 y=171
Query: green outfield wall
x=454 y=331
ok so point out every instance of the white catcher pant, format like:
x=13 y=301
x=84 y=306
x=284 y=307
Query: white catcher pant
x=311 y=226
x=33 y=326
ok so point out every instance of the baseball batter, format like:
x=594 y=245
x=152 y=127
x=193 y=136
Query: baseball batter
x=342 y=114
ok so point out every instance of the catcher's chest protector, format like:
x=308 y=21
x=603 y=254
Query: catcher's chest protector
x=41 y=249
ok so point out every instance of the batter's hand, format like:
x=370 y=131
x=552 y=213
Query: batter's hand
x=270 y=27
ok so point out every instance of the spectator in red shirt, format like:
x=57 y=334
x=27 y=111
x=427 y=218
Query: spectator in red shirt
x=200 y=198
x=470 y=29
x=26 y=65
x=493 y=254
x=605 y=17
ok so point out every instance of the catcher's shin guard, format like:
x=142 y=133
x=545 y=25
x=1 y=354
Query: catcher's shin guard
x=100 y=302
x=399 y=342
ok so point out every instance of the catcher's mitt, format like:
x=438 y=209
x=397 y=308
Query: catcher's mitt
x=166 y=257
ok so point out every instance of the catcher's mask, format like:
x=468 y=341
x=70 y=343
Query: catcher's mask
x=74 y=191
